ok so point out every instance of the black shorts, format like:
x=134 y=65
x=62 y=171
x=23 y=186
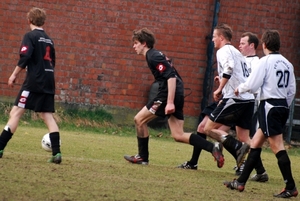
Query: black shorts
x=160 y=111
x=38 y=102
x=272 y=116
x=209 y=109
x=234 y=112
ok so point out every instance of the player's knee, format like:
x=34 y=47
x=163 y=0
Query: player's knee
x=245 y=139
x=177 y=137
x=206 y=130
x=139 y=121
x=200 y=128
x=16 y=113
x=136 y=120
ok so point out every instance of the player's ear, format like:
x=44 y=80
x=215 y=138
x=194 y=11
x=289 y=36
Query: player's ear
x=221 y=37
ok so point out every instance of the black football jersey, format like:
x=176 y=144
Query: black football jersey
x=37 y=55
x=162 y=71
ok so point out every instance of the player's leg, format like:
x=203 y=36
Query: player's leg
x=54 y=136
x=261 y=174
x=284 y=164
x=44 y=105
x=236 y=148
x=243 y=135
x=277 y=112
x=223 y=115
x=21 y=103
x=254 y=155
x=141 y=119
x=11 y=126
x=193 y=162
x=176 y=127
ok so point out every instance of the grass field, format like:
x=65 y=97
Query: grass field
x=93 y=168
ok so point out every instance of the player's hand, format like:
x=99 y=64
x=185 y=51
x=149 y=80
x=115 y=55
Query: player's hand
x=236 y=91
x=217 y=95
x=12 y=80
x=170 y=108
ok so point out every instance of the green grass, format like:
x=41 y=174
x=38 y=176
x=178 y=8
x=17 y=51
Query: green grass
x=93 y=168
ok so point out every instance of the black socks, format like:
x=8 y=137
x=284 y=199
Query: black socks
x=5 y=137
x=251 y=162
x=284 y=164
x=55 y=142
x=143 y=148
x=201 y=143
x=232 y=145
x=196 y=151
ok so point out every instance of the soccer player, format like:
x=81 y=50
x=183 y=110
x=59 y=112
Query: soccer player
x=248 y=45
x=37 y=57
x=232 y=109
x=168 y=102
x=193 y=162
x=275 y=77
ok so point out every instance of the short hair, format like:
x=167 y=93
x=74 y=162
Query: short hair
x=36 y=16
x=144 y=35
x=224 y=30
x=252 y=38
x=271 y=39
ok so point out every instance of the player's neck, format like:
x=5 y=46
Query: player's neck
x=32 y=27
x=267 y=51
x=224 y=43
x=146 y=49
x=251 y=54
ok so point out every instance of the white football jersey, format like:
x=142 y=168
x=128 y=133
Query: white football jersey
x=251 y=62
x=231 y=62
x=274 y=74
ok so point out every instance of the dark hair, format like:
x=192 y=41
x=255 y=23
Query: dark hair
x=36 y=16
x=224 y=30
x=252 y=38
x=144 y=35
x=271 y=39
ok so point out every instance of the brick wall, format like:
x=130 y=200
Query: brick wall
x=96 y=64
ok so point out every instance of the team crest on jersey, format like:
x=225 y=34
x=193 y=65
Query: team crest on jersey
x=160 y=67
x=23 y=49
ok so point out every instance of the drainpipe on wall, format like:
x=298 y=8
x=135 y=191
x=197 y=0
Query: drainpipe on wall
x=209 y=73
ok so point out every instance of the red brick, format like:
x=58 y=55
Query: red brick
x=96 y=63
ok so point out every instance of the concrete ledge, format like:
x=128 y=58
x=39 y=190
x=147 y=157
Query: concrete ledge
x=121 y=115
x=124 y=116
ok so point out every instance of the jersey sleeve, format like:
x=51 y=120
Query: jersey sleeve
x=25 y=51
x=255 y=80
x=292 y=88
x=163 y=66
x=53 y=56
x=226 y=60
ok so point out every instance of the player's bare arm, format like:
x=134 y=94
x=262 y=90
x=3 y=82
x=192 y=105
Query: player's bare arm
x=12 y=78
x=218 y=93
x=170 y=108
x=217 y=80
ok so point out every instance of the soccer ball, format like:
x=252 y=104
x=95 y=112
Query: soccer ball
x=46 y=143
